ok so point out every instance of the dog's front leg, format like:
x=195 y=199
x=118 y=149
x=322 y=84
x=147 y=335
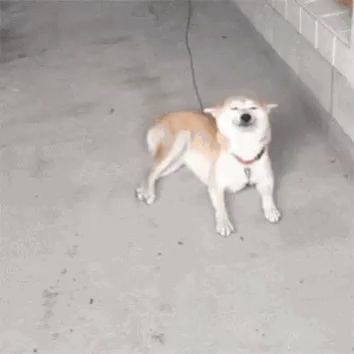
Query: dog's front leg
x=224 y=226
x=265 y=188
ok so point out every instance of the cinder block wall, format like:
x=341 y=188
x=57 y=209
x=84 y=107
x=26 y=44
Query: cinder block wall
x=322 y=58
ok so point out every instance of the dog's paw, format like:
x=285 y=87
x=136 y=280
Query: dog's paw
x=224 y=227
x=145 y=195
x=272 y=215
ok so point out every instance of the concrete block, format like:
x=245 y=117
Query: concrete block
x=294 y=13
x=316 y=73
x=325 y=39
x=341 y=24
x=344 y=60
x=247 y=7
x=325 y=7
x=308 y=27
x=280 y=6
x=286 y=41
x=263 y=20
x=260 y=13
x=343 y=103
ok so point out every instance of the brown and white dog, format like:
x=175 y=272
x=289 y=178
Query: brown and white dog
x=226 y=147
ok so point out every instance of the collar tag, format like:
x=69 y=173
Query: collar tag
x=247 y=171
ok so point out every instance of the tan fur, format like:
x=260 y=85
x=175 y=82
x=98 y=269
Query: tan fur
x=205 y=138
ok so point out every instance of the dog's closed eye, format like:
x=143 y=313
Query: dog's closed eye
x=253 y=108
x=234 y=108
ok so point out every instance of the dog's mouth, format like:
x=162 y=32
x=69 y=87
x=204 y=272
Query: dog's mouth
x=247 y=125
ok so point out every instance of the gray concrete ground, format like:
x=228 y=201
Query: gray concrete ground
x=85 y=268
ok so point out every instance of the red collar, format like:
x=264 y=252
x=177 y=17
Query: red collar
x=249 y=162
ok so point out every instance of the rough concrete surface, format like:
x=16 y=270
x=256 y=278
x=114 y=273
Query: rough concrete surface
x=84 y=267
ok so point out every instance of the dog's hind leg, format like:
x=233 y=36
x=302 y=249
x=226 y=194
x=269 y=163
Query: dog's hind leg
x=174 y=166
x=165 y=164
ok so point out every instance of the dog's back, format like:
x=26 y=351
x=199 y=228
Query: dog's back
x=200 y=127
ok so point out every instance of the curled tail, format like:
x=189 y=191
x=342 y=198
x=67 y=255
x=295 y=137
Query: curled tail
x=155 y=137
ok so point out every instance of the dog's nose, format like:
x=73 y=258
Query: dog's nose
x=246 y=117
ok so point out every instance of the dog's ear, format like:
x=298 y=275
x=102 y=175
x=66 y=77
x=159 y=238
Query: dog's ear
x=214 y=111
x=269 y=106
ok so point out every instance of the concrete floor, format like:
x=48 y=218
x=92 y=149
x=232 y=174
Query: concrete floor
x=84 y=267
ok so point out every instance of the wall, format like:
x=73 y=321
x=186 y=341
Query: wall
x=323 y=61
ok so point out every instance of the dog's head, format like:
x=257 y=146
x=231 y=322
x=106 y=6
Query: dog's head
x=241 y=115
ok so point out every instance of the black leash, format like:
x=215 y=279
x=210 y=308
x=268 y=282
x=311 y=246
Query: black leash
x=190 y=54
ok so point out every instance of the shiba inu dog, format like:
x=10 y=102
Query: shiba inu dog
x=226 y=147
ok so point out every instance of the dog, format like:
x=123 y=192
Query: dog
x=226 y=147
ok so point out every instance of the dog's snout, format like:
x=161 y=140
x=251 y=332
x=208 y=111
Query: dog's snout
x=246 y=117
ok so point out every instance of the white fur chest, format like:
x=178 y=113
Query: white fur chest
x=234 y=175
x=230 y=173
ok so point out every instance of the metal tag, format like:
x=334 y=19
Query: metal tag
x=247 y=171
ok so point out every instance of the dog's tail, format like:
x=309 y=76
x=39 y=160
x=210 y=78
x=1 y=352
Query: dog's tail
x=155 y=137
